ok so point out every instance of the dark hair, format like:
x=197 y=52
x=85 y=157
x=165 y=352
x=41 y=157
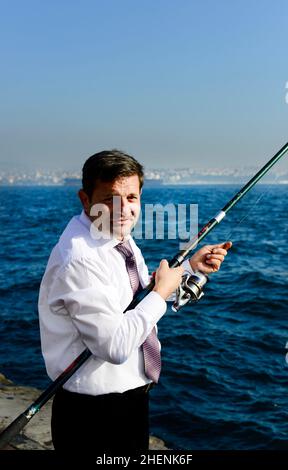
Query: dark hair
x=107 y=166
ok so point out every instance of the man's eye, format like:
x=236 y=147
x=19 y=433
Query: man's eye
x=132 y=197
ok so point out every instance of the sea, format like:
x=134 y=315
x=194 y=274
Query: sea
x=224 y=380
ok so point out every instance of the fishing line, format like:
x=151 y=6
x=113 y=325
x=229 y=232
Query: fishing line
x=266 y=191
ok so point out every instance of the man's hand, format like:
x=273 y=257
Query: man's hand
x=209 y=258
x=167 y=279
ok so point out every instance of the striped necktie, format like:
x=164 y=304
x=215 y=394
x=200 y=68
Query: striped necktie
x=151 y=349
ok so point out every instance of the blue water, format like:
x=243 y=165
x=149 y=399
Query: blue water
x=224 y=380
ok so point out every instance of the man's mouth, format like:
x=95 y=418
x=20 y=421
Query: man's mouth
x=122 y=221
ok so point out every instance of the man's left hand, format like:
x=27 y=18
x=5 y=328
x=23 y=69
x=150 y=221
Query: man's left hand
x=209 y=258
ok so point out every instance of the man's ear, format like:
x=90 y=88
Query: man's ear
x=85 y=201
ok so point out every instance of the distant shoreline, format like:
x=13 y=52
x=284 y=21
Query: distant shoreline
x=163 y=185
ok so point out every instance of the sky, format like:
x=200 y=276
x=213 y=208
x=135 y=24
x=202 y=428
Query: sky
x=174 y=83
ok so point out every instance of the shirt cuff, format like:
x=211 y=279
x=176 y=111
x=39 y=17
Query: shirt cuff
x=154 y=306
x=187 y=267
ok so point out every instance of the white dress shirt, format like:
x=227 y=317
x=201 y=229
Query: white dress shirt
x=83 y=294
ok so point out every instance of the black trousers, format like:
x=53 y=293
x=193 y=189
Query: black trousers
x=112 y=423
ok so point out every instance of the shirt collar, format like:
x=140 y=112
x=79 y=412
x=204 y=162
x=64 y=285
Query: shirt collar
x=85 y=219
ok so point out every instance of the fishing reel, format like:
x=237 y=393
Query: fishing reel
x=190 y=289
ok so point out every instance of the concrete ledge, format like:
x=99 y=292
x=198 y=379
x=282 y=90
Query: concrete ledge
x=36 y=435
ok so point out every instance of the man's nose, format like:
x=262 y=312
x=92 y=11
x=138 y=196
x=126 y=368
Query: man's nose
x=125 y=209
x=120 y=206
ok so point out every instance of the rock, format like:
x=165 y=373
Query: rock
x=4 y=380
x=36 y=435
x=13 y=401
x=156 y=444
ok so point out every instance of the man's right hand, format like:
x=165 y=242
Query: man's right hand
x=167 y=279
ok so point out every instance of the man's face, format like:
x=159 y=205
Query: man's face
x=119 y=203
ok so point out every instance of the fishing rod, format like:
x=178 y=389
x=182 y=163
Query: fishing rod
x=190 y=290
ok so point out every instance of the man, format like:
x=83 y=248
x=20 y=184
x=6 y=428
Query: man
x=91 y=277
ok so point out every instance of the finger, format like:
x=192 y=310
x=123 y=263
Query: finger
x=227 y=245
x=219 y=251
x=216 y=263
x=215 y=257
x=222 y=248
x=163 y=263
